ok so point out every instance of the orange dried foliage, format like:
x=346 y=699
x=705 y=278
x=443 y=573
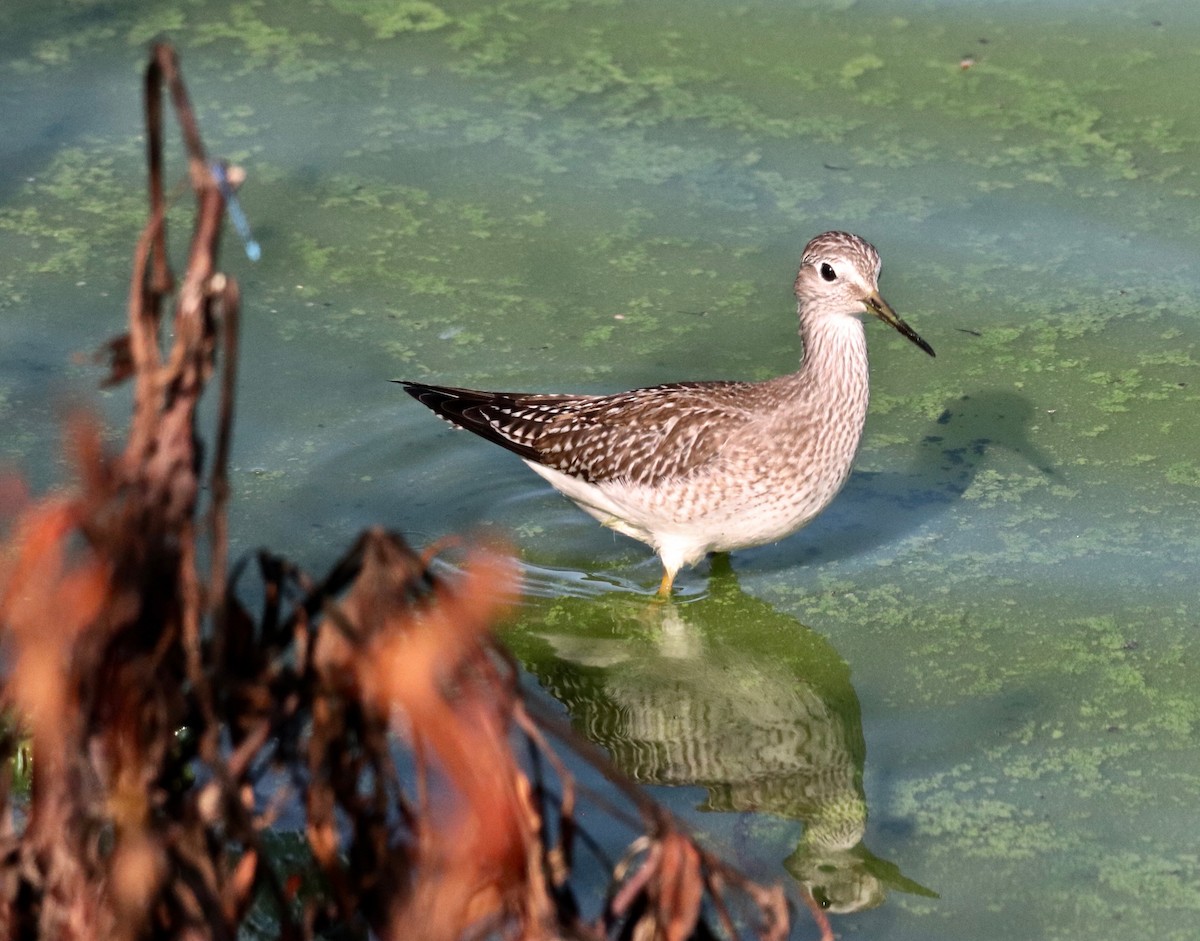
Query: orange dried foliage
x=54 y=591
x=667 y=890
x=46 y=600
x=479 y=859
x=680 y=888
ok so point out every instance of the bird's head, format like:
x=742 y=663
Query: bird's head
x=839 y=275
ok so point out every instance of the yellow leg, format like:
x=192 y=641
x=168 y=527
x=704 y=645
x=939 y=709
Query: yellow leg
x=664 y=587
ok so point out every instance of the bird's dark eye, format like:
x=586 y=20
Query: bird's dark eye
x=827 y=272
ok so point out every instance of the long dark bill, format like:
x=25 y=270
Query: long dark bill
x=881 y=309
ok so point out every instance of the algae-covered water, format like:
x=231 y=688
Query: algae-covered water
x=976 y=674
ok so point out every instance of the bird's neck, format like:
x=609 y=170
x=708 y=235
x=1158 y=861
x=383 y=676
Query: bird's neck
x=834 y=359
x=821 y=409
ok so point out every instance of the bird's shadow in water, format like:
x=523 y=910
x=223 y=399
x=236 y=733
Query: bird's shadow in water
x=727 y=694
x=879 y=507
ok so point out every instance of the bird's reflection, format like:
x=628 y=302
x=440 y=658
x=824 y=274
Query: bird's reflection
x=728 y=694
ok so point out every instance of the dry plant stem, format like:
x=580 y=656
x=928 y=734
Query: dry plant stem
x=161 y=282
x=559 y=856
x=230 y=306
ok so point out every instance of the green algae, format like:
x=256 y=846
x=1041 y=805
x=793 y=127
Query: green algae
x=154 y=24
x=70 y=218
x=55 y=53
x=390 y=20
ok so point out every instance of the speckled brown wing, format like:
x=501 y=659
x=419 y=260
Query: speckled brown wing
x=640 y=437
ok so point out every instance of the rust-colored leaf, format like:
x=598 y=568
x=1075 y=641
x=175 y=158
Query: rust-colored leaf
x=680 y=887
